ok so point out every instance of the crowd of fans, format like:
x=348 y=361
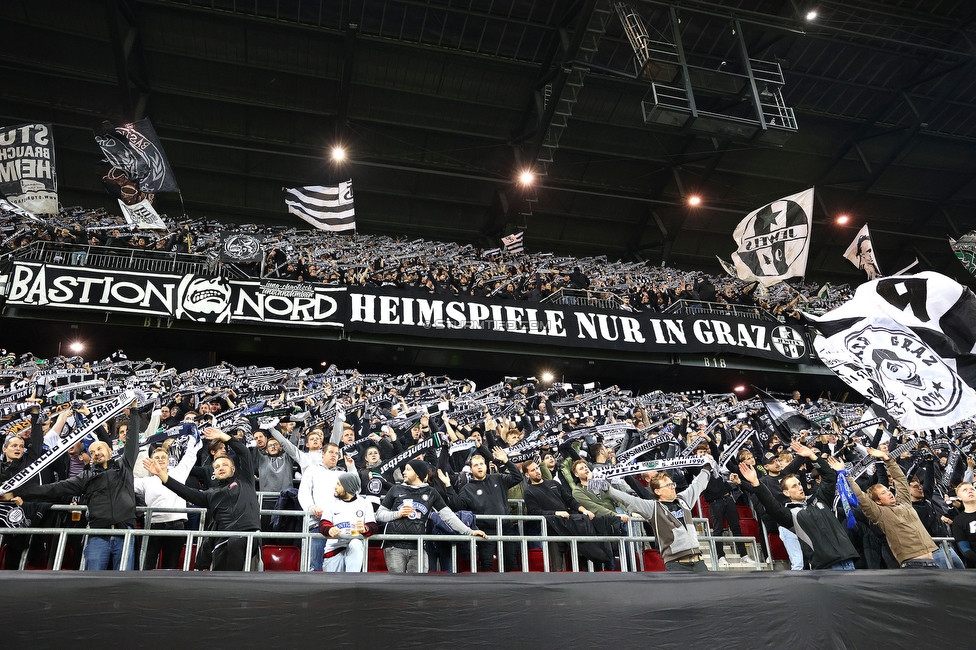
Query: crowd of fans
x=437 y=267
x=412 y=454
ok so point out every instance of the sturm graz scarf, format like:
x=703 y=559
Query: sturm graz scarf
x=639 y=450
x=12 y=516
x=601 y=476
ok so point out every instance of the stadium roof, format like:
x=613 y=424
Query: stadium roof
x=441 y=103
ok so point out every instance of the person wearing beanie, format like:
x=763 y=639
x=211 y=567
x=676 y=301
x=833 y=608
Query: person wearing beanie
x=405 y=510
x=316 y=494
x=346 y=526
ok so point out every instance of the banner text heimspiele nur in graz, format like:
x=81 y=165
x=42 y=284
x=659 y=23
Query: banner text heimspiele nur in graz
x=393 y=311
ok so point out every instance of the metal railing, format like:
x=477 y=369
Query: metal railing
x=629 y=546
x=584 y=297
x=719 y=309
x=109 y=257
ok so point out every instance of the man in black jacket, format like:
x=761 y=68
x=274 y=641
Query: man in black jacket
x=231 y=506
x=108 y=489
x=487 y=494
x=405 y=510
x=546 y=497
x=812 y=519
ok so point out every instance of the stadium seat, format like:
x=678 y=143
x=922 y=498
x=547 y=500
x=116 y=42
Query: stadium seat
x=750 y=527
x=653 y=560
x=281 y=558
x=377 y=561
x=536 y=561
x=776 y=549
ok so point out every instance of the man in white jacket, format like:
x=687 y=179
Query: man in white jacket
x=316 y=494
x=152 y=491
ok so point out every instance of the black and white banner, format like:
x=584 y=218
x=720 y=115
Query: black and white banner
x=861 y=253
x=134 y=149
x=237 y=247
x=391 y=311
x=907 y=343
x=774 y=241
x=186 y=297
x=325 y=207
x=397 y=312
x=142 y=215
x=27 y=175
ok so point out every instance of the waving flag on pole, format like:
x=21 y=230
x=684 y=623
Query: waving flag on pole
x=134 y=150
x=907 y=343
x=787 y=421
x=774 y=241
x=327 y=207
x=861 y=253
x=965 y=250
x=513 y=243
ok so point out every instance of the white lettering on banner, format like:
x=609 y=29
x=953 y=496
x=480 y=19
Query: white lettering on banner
x=669 y=332
x=41 y=285
x=457 y=315
x=719 y=332
x=297 y=309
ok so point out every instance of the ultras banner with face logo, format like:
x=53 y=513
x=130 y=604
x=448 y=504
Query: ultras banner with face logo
x=908 y=343
x=398 y=312
x=187 y=297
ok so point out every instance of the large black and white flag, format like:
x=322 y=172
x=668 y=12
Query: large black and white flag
x=861 y=253
x=513 y=242
x=134 y=149
x=774 y=241
x=325 y=207
x=907 y=343
x=27 y=175
x=965 y=250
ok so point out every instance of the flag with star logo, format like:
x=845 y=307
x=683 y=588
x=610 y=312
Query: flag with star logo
x=774 y=241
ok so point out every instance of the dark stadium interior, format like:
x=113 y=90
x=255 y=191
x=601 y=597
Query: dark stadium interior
x=438 y=103
x=441 y=103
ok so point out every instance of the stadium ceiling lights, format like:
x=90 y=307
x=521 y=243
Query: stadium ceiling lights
x=338 y=154
x=76 y=347
x=694 y=200
x=811 y=15
x=740 y=389
x=547 y=377
x=843 y=219
x=526 y=177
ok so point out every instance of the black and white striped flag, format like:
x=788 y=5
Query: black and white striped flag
x=513 y=243
x=325 y=207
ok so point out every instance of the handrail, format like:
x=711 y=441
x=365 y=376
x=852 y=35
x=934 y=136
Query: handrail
x=719 y=308
x=624 y=541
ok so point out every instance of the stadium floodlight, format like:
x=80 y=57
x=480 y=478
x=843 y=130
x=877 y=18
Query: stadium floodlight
x=843 y=219
x=338 y=154
x=812 y=14
x=547 y=377
x=739 y=389
x=77 y=347
x=527 y=177
x=694 y=200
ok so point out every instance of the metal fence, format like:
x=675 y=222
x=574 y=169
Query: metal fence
x=123 y=259
x=583 y=297
x=719 y=309
x=629 y=547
